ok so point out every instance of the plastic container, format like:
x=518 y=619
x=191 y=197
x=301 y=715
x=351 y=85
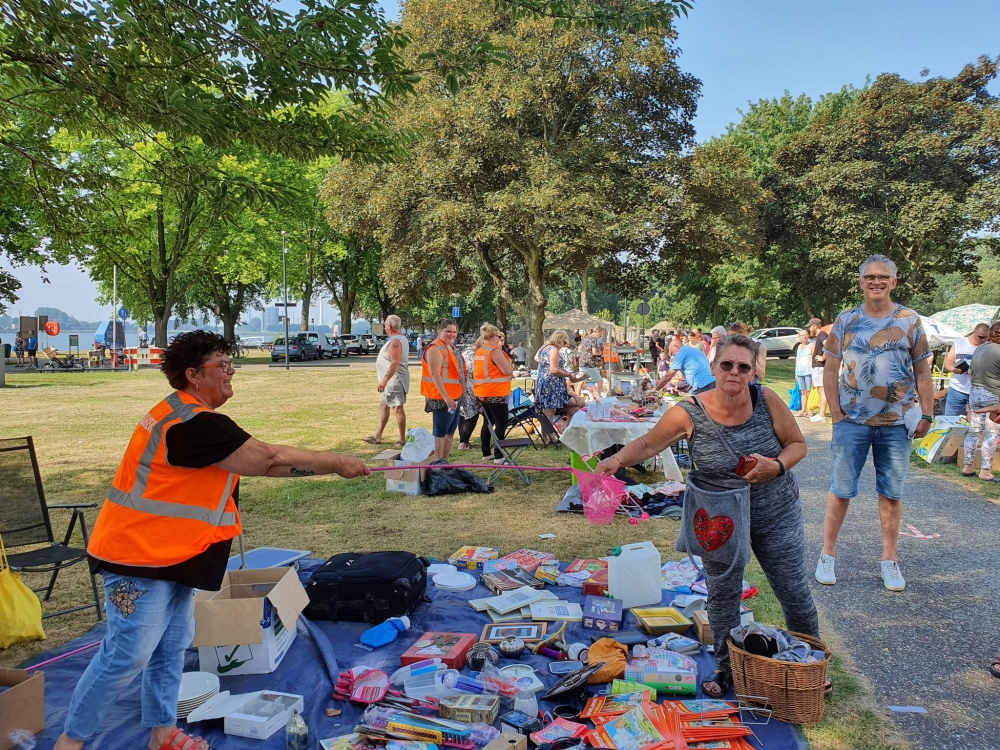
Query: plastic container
x=429 y=685
x=634 y=575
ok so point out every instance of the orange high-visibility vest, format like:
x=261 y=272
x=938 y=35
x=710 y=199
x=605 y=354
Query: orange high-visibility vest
x=487 y=379
x=155 y=514
x=610 y=353
x=452 y=373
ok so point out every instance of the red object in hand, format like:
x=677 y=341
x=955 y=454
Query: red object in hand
x=52 y=328
x=746 y=463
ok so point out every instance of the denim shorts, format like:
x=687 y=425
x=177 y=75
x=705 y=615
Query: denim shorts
x=890 y=448
x=445 y=422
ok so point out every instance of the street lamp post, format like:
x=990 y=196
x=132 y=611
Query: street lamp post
x=284 y=284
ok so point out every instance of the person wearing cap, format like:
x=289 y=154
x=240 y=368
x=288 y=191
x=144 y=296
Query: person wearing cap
x=818 y=335
x=718 y=333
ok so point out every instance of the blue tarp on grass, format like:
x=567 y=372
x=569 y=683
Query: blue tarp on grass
x=320 y=648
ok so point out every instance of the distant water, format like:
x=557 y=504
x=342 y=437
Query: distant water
x=61 y=341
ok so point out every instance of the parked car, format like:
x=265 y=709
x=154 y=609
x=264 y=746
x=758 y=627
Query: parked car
x=370 y=342
x=299 y=348
x=336 y=347
x=354 y=344
x=781 y=342
x=322 y=341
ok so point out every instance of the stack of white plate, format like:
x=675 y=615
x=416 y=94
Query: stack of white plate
x=454 y=581
x=196 y=689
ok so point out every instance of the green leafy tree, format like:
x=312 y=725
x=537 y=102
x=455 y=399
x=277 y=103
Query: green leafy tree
x=538 y=166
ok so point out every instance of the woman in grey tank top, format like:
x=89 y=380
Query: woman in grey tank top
x=985 y=392
x=755 y=422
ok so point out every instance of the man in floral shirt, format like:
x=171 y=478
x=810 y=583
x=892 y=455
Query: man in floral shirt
x=877 y=362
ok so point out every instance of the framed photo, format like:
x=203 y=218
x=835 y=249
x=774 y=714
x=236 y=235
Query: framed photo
x=529 y=632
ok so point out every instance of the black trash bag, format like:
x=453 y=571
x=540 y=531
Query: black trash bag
x=453 y=482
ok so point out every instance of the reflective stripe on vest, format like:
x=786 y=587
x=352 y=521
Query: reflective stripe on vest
x=134 y=499
x=487 y=379
x=452 y=370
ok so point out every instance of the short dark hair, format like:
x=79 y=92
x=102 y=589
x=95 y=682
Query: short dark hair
x=737 y=339
x=190 y=349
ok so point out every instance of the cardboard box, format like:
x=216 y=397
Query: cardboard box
x=23 y=705
x=248 y=626
x=473 y=558
x=471 y=708
x=450 y=648
x=704 y=630
x=943 y=439
x=597 y=584
x=407 y=481
x=255 y=715
x=977 y=461
x=602 y=614
x=508 y=741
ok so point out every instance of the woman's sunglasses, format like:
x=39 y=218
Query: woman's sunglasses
x=743 y=367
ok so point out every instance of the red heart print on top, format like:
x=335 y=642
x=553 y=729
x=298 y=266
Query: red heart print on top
x=712 y=532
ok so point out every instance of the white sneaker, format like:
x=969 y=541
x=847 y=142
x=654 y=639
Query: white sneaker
x=817 y=418
x=824 y=570
x=891 y=576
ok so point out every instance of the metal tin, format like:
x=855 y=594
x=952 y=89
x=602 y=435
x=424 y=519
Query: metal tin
x=511 y=647
x=578 y=652
x=480 y=654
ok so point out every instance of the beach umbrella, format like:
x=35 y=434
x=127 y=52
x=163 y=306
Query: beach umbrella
x=963 y=319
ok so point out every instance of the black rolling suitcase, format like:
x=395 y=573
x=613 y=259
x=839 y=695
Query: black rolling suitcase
x=366 y=587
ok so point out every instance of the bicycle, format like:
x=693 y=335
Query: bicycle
x=239 y=351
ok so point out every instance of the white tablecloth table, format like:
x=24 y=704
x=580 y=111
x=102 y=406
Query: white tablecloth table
x=585 y=437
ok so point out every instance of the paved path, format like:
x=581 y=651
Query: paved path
x=927 y=646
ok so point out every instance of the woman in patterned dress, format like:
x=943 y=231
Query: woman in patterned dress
x=551 y=392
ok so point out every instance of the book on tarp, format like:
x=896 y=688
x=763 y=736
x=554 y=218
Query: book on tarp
x=510 y=580
x=529 y=559
x=591 y=566
x=547 y=611
x=510 y=601
x=472 y=558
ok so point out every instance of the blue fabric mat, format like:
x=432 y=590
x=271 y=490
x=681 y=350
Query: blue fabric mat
x=321 y=648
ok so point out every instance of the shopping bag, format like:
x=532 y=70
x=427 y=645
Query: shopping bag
x=795 y=400
x=813 y=401
x=20 y=610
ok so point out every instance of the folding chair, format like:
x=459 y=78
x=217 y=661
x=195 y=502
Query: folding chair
x=511 y=449
x=24 y=521
x=548 y=429
x=523 y=412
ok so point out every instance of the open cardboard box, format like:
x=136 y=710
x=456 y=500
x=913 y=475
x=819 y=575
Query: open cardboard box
x=977 y=460
x=255 y=715
x=23 y=705
x=248 y=626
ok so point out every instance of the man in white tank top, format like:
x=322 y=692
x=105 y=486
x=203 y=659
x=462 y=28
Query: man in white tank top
x=393 y=380
x=957 y=362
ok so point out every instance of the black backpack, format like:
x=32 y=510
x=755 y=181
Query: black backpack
x=366 y=587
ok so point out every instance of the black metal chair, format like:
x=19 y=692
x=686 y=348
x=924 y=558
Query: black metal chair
x=510 y=448
x=24 y=521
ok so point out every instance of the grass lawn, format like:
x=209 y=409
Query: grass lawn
x=81 y=423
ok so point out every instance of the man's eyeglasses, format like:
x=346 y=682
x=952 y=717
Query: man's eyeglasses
x=871 y=278
x=226 y=364
x=743 y=367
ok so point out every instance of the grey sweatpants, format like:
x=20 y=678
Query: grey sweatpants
x=777 y=537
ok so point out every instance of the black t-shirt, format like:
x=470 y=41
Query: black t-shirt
x=818 y=349
x=203 y=440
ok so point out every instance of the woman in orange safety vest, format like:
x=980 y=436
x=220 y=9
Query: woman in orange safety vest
x=491 y=377
x=166 y=529
x=442 y=380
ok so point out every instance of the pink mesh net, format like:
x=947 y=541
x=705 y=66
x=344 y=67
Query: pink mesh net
x=602 y=496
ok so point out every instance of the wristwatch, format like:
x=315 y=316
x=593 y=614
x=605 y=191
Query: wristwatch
x=929 y=419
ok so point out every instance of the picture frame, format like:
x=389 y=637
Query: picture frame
x=529 y=632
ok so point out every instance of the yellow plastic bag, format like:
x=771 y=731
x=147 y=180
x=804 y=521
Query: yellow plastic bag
x=20 y=610
x=813 y=402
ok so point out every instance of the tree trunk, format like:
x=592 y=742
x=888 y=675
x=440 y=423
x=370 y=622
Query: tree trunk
x=160 y=320
x=500 y=308
x=584 y=296
x=535 y=303
x=345 y=304
x=307 y=289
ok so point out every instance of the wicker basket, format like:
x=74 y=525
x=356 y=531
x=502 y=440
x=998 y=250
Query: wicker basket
x=794 y=692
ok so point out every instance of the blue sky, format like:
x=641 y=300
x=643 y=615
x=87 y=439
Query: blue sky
x=742 y=50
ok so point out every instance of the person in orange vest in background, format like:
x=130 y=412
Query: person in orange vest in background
x=441 y=383
x=166 y=529
x=491 y=376
x=611 y=354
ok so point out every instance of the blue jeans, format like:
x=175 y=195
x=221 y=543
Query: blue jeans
x=444 y=422
x=150 y=624
x=955 y=403
x=890 y=447
x=805 y=384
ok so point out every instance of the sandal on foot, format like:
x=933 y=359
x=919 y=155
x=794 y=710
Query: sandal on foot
x=188 y=742
x=721 y=681
x=968 y=476
x=991 y=480
x=371 y=440
x=995 y=666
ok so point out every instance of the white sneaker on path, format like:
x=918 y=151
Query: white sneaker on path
x=824 y=570
x=891 y=576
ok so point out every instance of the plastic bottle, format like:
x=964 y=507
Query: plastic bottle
x=296 y=733
x=634 y=575
x=465 y=684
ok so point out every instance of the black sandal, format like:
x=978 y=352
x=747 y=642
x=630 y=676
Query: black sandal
x=722 y=681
